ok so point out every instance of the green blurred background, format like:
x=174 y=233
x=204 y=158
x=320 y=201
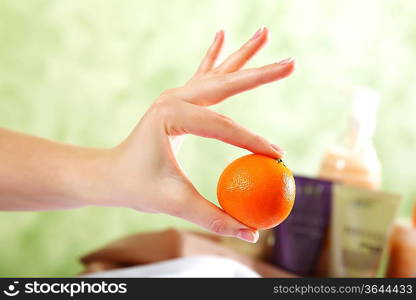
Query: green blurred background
x=84 y=72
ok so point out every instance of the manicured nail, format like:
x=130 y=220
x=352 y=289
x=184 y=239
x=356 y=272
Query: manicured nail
x=248 y=235
x=286 y=61
x=216 y=35
x=278 y=149
x=258 y=32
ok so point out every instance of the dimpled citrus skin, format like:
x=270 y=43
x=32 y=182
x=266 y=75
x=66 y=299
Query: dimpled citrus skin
x=257 y=190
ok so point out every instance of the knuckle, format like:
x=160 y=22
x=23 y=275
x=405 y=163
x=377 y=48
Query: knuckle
x=168 y=92
x=226 y=83
x=225 y=120
x=163 y=108
x=259 y=140
x=257 y=76
x=224 y=80
x=215 y=71
x=218 y=226
x=246 y=47
x=257 y=79
x=177 y=94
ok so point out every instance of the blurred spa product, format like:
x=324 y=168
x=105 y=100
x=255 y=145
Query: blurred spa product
x=335 y=230
x=300 y=239
x=354 y=160
x=402 y=261
x=361 y=222
x=361 y=217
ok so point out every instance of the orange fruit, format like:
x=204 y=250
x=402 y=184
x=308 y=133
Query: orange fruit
x=257 y=190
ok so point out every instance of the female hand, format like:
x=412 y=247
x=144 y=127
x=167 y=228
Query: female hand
x=143 y=171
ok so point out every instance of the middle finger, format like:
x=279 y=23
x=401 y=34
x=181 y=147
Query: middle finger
x=239 y=58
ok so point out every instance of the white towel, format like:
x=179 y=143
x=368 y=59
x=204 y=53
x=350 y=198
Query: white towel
x=192 y=266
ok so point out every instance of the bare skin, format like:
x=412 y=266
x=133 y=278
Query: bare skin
x=142 y=172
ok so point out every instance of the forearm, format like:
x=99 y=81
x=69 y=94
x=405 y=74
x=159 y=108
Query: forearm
x=39 y=174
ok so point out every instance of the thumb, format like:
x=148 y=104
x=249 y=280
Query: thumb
x=202 y=212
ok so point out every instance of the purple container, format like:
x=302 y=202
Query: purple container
x=299 y=239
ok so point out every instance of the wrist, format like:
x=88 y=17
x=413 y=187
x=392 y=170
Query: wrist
x=87 y=177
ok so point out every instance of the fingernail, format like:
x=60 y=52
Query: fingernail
x=258 y=32
x=278 y=149
x=248 y=235
x=286 y=61
x=216 y=35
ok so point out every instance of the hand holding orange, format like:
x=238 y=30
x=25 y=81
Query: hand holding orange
x=257 y=190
